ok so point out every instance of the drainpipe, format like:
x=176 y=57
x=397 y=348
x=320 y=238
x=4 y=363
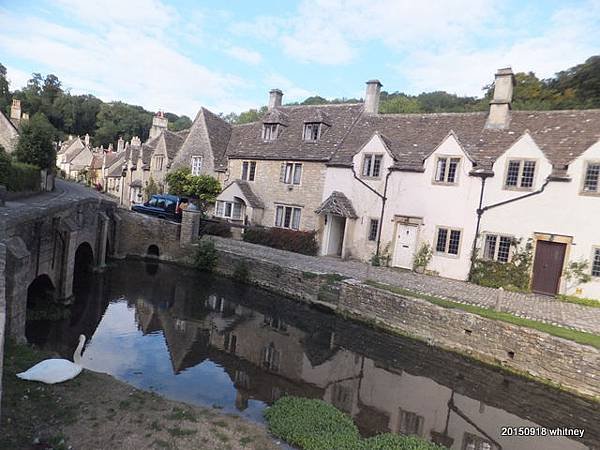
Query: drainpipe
x=483 y=209
x=383 y=200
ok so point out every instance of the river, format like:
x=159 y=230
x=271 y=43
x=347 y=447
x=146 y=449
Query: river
x=210 y=341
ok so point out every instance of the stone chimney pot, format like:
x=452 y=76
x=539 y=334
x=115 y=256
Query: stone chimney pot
x=275 y=97
x=372 y=96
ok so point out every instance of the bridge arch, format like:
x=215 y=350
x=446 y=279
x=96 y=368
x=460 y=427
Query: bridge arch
x=153 y=251
x=83 y=265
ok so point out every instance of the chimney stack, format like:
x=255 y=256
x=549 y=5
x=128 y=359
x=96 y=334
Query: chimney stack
x=500 y=105
x=87 y=140
x=275 y=96
x=372 y=96
x=120 y=144
x=136 y=141
x=159 y=124
x=15 y=112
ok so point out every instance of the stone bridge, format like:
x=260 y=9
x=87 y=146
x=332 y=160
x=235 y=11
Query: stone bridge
x=44 y=241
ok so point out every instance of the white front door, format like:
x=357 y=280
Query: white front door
x=406 y=243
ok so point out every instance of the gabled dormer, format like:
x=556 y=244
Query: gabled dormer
x=315 y=125
x=274 y=123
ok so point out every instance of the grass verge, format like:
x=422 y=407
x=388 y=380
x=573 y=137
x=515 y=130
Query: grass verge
x=579 y=300
x=573 y=335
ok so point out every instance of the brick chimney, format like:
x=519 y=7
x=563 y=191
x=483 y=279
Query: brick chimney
x=372 y=96
x=275 y=97
x=120 y=144
x=500 y=105
x=159 y=124
x=15 y=112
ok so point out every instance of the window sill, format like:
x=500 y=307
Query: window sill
x=447 y=255
x=589 y=193
x=443 y=183
x=517 y=189
x=370 y=178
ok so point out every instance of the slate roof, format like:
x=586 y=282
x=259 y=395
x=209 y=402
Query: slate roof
x=253 y=199
x=338 y=204
x=246 y=140
x=561 y=135
x=116 y=167
x=219 y=133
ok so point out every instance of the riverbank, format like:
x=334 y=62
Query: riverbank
x=96 y=411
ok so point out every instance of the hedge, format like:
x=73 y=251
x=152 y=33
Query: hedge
x=215 y=228
x=17 y=176
x=304 y=242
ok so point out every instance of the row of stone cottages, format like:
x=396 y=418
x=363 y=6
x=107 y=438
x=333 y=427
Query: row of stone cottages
x=389 y=184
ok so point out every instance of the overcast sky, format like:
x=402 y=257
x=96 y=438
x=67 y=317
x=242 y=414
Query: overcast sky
x=226 y=55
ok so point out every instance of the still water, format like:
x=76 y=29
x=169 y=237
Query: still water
x=212 y=342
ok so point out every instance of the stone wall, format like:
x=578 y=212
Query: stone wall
x=2 y=311
x=136 y=232
x=576 y=367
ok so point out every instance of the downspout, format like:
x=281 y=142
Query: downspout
x=481 y=210
x=383 y=200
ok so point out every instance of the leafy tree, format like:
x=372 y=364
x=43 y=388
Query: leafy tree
x=4 y=165
x=203 y=188
x=181 y=123
x=120 y=119
x=5 y=97
x=252 y=115
x=152 y=188
x=36 y=142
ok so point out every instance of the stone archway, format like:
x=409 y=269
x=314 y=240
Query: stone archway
x=83 y=265
x=41 y=296
x=153 y=252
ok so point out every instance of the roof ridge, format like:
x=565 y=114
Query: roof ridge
x=322 y=105
x=556 y=110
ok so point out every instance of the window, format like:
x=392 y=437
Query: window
x=228 y=210
x=448 y=241
x=270 y=358
x=287 y=217
x=446 y=170
x=520 y=174
x=341 y=397
x=497 y=248
x=410 y=423
x=248 y=170
x=592 y=174
x=230 y=342
x=596 y=262
x=270 y=131
x=373 y=229
x=158 y=162
x=473 y=442
x=312 y=131
x=291 y=173
x=372 y=166
x=196 y=165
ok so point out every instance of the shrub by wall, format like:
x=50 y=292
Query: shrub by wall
x=215 y=228
x=19 y=177
x=304 y=242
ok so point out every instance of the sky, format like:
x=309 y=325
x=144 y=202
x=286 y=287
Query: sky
x=178 y=55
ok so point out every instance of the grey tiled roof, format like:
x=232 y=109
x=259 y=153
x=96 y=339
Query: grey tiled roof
x=338 y=204
x=246 y=140
x=253 y=199
x=219 y=133
x=561 y=135
x=116 y=167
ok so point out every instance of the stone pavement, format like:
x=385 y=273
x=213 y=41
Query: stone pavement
x=530 y=306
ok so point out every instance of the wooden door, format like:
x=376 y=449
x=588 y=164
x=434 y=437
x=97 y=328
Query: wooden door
x=547 y=267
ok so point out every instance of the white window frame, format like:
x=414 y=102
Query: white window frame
x=229 y=210
x=159 y=161
x=248 y=170
x=449 y=231
x=270 y=131
x=291 y=173
x=584 y=178
x=495 y=253
x=281 y=217
x=519 y=186
x=367 y=170
x=444 y=176
x=369 y=228
x=309 y=129
x=196 y=165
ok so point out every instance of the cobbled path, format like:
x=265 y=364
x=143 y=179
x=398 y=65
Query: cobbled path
x=530 y=306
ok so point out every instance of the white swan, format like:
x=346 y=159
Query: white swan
x=52 y=371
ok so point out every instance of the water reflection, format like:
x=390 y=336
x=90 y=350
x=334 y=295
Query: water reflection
x=209 y=341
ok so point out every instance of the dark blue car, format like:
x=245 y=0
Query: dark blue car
x=163 y=206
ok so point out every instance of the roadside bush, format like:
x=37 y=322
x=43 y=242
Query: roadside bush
x=241 y=272
x=18 y=177
x=513 y=275
x=206 y=256
x=215 y=228
x=315 y=425
x=304 y=242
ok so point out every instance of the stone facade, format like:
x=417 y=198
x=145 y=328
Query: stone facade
x=271 y=191
x=8 y=134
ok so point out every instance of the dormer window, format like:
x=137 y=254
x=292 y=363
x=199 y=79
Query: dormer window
x=520 y=174
x=270 y=131
x=312 y=131
x=372 y=165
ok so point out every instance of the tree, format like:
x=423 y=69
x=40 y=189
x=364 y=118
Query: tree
x=5 y=97
x=202 y=188
x=36 y=143
x=181 y=123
